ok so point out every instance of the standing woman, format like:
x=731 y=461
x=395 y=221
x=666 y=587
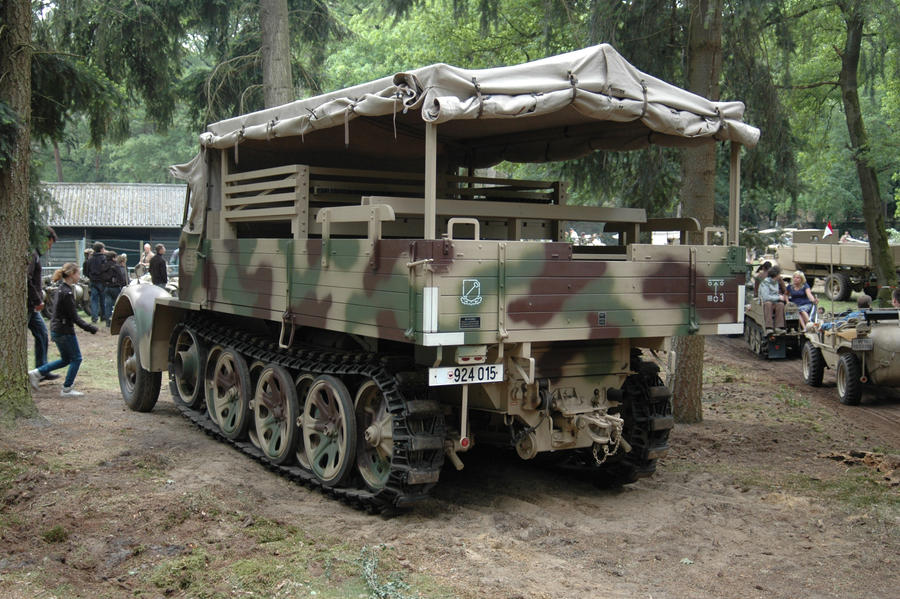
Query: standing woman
x=802 y=296
x=62 y=331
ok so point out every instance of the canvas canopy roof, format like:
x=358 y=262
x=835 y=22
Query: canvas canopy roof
x=555 y=108
x=571 y=90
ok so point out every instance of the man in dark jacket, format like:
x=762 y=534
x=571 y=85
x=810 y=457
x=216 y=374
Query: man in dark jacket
x=94 y=270
x=117 y=280
x=36 y=305
x=158 y=268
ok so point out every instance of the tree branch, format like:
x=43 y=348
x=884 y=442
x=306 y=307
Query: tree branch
x=809 y=85
x=800 y=14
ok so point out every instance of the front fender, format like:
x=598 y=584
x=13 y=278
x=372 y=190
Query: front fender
x=154 y=318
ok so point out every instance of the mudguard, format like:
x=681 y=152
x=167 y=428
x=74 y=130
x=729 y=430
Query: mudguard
x=155 y=315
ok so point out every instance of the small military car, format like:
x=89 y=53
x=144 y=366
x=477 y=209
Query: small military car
x=862 y=350
x=360 y=297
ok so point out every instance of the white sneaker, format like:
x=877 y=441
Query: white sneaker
x=70 y=392
x=34 y=377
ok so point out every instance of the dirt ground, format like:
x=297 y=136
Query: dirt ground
x=747 y=504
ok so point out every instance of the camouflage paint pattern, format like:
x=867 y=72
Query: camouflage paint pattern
x=538 y=291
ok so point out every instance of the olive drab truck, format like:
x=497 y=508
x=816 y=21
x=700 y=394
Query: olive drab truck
x=361 y=300
x=843 y=267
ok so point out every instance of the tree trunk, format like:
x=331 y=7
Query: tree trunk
x=15 y=91
x=278 y=87
x=873 y=208
x=698 y=184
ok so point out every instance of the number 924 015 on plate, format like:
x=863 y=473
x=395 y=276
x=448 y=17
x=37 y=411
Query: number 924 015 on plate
x=463 y=375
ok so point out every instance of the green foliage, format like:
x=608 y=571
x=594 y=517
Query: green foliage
x=808 y=69
x=143 y=157
x=224 y=76
x=393 y=588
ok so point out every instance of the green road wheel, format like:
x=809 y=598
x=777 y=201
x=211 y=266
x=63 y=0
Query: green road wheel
x=187 y=363
x=230 y=391
x=374 y=443
x=275 y=414
x=329 y=430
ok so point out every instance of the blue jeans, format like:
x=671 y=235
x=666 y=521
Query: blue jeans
x=98 y=305
x=39 y=331
x=69 y=355
x=109 y=297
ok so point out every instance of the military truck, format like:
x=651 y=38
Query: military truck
x=861 y=350
x=844 y=267
x=358 y=301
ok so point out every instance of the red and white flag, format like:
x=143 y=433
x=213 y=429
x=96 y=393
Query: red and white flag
x=828 y=230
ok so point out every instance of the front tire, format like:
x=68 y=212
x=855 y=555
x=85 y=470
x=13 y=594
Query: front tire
x=813 y=364
x=848 y=384
x=140 y=388
x=647 y=411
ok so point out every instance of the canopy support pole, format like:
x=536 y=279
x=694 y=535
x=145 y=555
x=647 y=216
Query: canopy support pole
x=430 y=180
x=734 y=195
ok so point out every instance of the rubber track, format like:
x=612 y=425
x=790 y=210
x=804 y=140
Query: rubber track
x=416 y=454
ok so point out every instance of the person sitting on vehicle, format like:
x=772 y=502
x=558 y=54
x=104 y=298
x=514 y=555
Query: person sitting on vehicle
x=802 y=296
x=863 y=303
x=773 y=299
x=760 y=275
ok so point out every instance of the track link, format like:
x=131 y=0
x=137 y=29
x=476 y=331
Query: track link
x=418 y=424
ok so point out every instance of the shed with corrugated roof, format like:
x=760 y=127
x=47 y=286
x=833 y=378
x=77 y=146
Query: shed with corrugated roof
x=123 y=216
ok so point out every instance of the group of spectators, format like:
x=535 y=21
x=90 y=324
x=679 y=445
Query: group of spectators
x=774 y=294
x=108 y=274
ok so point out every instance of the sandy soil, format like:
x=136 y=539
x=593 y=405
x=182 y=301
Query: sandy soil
x=747 y=504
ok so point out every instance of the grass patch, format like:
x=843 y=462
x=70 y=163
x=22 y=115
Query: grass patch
x=185 y=573
x=287 y=563
x=57 y=534
x=720 y=373
x=268 y=531
x=192 y=506
x=788 y=396
x=857 y=489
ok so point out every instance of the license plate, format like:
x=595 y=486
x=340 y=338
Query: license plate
x=463 y=375
x=862 y=344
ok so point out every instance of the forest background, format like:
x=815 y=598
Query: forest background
x=782 y=58
x=118 y=90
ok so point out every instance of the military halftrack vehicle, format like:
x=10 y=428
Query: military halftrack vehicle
x=772 y=346
x=357 y=303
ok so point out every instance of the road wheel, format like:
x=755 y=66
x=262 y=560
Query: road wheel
x=140 y=388
x=229 y=392
x=375 y=441
x=329 y=430
x=302 y=385
x=848 y=384
x=275 y=412
x=186 y=368
x=813 y=364
x=837 y=287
